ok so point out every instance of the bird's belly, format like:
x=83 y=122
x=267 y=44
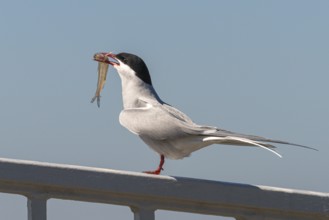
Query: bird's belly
x=174 y=148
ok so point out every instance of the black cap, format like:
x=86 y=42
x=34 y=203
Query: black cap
x=137 y=64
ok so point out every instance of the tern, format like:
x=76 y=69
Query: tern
x=166 y=130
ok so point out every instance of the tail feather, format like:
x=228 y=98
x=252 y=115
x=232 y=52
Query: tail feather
x=224 y=133
x=241 y=141
x=214 y=135
x=256 y=144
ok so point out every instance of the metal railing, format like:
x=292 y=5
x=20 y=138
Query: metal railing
x=145 y=193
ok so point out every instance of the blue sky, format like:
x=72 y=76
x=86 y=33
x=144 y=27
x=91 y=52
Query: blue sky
x=256 y=67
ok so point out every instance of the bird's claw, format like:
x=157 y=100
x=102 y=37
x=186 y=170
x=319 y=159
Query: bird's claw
x=155 y=172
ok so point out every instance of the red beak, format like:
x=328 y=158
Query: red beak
x=104 y=58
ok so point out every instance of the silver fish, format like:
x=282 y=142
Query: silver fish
x=102 y=72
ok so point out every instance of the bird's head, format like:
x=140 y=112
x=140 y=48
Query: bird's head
x=126 y=64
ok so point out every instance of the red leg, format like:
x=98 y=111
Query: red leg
x=157 y=171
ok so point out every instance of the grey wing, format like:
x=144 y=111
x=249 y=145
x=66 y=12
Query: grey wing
x=154 y=122
x=212 y=135
x=167 y=109
x=176 y=113
x=190 y=127
x=217 y=135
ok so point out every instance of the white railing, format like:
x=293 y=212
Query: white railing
x=145 y=194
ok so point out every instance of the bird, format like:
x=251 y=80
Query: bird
x=165 y=129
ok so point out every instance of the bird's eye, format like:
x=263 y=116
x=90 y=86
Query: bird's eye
x=123 y=59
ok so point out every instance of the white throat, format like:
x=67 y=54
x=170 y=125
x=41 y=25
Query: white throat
x=134 y=89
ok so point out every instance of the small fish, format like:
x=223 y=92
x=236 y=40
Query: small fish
x=102 y=72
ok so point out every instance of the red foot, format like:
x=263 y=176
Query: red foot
x=157 y=171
